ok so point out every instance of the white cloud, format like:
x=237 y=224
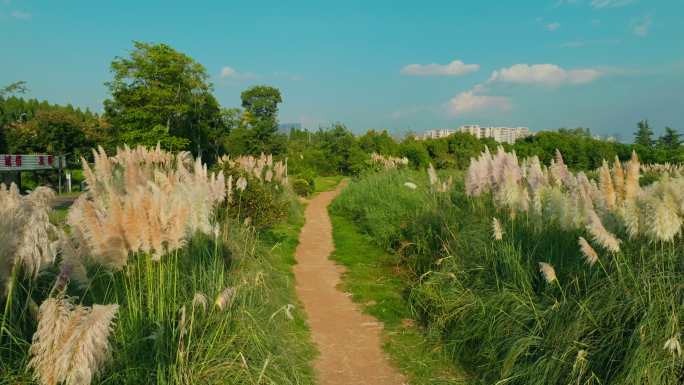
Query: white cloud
x=468 y=101
x=20 y=15
x=543 y=74
x=455 y=68
x=552 y=26
x=231 y=73
x=610 y=3
x=228 y=72
x=642 y=27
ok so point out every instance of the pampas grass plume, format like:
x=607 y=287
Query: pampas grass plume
x=224 y=299
x=497 y=232
x=673 y=346
x=199 y=300
x=590 y=255
x=71 y=343
x=548 y=272
x=600 y=234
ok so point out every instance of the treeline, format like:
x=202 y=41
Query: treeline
x=160 y=95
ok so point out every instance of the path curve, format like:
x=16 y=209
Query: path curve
x=349 y=341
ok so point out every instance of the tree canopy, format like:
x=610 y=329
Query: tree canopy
x=644 y=134
x=158 y=89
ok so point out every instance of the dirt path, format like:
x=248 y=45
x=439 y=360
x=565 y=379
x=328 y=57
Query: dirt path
x=348 y=340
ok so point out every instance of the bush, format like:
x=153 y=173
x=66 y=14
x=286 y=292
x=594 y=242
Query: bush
x=264 y=203
x=302 y=187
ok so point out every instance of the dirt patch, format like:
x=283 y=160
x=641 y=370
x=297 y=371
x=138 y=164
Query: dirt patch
x=349 y=341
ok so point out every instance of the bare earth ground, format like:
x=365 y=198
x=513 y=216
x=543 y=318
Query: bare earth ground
x=348 y=340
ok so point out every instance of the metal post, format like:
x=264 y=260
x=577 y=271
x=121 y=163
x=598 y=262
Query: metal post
x=59 y=162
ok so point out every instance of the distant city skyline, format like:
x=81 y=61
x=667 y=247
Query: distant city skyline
x=397 y=65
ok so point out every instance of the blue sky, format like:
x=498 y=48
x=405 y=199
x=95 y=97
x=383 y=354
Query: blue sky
x=400 y=65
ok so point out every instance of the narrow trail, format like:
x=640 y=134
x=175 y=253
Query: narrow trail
x=348 y=340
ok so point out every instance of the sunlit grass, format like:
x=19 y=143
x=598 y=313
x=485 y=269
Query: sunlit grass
x=377 y=282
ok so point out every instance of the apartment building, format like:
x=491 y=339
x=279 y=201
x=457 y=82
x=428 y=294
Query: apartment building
x=499 y=134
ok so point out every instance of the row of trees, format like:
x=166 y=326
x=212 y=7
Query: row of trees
x=160 y=95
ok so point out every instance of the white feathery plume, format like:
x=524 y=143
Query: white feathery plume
x=663 y=220
x=618 y=180
x=200 y=300
x=606 y=185
x=673 y=346
x=225 y=298
x=71 y=343
x=590 y=255
x=548 y=272
x=632 y=178
x=27 y=237
x=143 y=200
x=241 y=184
x=432 y=175
x=600 y=234
x=497 y=232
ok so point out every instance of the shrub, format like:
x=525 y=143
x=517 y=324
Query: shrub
x=302 y=187
x=259 y=190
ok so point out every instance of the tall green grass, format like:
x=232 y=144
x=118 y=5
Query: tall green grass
x=496 y=315
x=162 y=337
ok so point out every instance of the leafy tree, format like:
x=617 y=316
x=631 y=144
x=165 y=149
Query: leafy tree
x=58 y=132
x=217 y=135
x=16 y=87
x=13 y=88
x=158 y=86
x=671 y=139
x=644 y=134
x=260 y=120
x=415 y=151
x=380 y=142
x=156 y=135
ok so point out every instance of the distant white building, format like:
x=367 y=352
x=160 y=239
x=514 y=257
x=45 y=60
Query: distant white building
x=499 y=134
x=438 y=133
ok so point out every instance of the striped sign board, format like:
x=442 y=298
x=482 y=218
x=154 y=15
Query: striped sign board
x=19 y=162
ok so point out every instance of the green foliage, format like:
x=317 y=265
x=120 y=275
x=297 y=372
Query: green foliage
x=30 y=126
x=305 y=183
x=13 y=88
x=265 y=204
x=415 y=151
x=260 y=132
x=159 y=86
x=334 y=151
x=302 y=187
x=671 y=139
x=644 y=134
x=157 y=134
x=379 y=142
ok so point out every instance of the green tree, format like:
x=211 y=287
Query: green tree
x=59 y=132
x=260 y=119
x=671 y=139
x=380 y=142
x=158 y=86
x=16 y=87
x=13 y=88
x=415 y=151
x=644 y=134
